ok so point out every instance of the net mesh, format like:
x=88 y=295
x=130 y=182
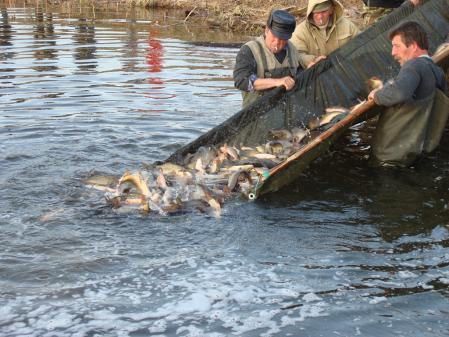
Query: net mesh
x=339 y=80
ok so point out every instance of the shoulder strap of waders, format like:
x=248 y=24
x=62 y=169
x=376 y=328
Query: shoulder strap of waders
x=263 y=57
x=291 y=64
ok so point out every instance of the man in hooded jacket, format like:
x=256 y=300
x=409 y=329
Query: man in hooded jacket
x=324 y=30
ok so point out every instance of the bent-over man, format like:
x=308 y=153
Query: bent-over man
x=418 y=109
x=269 y=61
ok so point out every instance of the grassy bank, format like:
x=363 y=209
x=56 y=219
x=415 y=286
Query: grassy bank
x=242 y=15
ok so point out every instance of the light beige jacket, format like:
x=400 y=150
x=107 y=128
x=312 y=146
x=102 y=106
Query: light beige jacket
x=310 y=42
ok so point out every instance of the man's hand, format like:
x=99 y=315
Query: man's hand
x=268 y=83
x=287 y=82
x=316 y=60
x=415 y=2
x=372 y=94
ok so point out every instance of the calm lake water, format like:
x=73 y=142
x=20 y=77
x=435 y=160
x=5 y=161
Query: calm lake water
x=345 y=251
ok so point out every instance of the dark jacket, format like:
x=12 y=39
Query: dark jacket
x=383 y=3
x=416 y=80
x=416 y=116
x=255 y=60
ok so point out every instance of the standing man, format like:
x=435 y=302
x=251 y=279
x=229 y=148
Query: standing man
x=417 y=108
x=269 y=61
x=324 y=30
x=373 y=10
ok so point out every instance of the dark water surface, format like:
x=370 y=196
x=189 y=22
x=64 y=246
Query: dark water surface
x=346 y=251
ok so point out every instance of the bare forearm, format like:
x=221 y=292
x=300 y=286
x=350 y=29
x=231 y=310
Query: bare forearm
x=268 y=83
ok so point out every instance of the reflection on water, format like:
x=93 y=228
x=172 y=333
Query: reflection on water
x=155 y=52
x=84 y=39
x=44 y=48
x=5 y=29
x=5 y=36
x=132 y=45
x=346 y=250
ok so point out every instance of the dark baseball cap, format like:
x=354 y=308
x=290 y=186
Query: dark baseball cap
x=282 y=24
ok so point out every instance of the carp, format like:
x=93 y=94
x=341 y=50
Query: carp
x=374 y=83
x=279 y=134
x=333 y=115
x=237 y=178
x=230 y=152
x=265 y=156
x=278 y=147
x=102 y=182
x=202 y=157
x=298 y=134
x=171 y=169
x=136 y=180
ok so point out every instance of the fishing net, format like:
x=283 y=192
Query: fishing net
x=268 y=144
x=340 y=80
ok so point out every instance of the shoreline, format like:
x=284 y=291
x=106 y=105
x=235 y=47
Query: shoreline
x=240 y=16
x=247 y=16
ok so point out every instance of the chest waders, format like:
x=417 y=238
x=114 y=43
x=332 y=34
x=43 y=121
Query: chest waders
x=269 y=67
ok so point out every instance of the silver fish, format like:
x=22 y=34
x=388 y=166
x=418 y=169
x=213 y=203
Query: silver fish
x=279 y=134
x=205 y=153
x=102 y=182
x=230 y=152
x=277 y=147
x=332 y=115
x=237 y=178
x=171 y=169
x=374 y=83
x=299 y=134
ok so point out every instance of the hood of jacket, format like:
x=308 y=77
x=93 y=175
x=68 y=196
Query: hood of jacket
x=338 y=10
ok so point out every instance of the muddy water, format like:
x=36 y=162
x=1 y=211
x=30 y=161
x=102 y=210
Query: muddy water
x=345 y=251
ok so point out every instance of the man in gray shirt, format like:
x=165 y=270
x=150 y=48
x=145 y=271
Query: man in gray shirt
x=417 y=111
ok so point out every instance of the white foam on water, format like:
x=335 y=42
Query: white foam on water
x=59 y=320
x=193 y=331
x=315 y=310
x=158 y=326
x=237 y=298
x=378 y=299
x=439 y=233
x=7 y=314
x=198 y=302
x=406 y=274
x=444 y=280
x=311 y=297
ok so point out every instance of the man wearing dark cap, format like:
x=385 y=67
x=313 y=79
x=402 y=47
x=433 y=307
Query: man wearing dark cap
x=269 y=61
x=324 y=30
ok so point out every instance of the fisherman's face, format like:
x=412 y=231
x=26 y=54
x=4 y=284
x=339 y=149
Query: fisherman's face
x=274 y=44
x=400 y=51
x=322 y=18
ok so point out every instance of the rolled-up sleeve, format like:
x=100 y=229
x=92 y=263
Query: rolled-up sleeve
x=245 y=69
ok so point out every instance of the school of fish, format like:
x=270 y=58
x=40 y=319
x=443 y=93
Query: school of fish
x=209 y=176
